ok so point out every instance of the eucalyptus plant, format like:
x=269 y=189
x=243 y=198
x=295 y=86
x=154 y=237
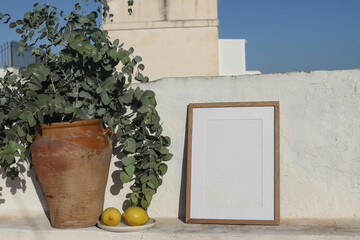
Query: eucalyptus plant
x=77 y=79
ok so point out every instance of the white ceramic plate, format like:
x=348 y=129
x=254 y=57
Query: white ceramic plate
x=123 y=227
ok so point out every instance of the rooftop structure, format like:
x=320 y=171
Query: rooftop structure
x=176 y=38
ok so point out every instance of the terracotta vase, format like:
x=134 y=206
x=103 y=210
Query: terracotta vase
x=71 y=162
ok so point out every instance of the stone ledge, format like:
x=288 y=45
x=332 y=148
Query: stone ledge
x=171 y=228
x=116 y=26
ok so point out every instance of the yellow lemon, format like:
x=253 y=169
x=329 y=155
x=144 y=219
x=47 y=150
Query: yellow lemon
x=111 y=216
x=135 y=216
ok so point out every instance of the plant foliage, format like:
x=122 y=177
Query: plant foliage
x=77 y=80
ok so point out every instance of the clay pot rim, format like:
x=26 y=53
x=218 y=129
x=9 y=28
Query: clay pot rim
x=72 y=124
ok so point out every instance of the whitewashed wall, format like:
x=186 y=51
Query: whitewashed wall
x=320 y=142
x=232 y=57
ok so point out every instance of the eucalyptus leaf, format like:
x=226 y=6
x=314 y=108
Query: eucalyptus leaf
x=147 y=94
x=35 y=86
x=69 y=109
x=105 y=98
x=122 y=54
x=12 y=25
x=9 y=159
x=38 y=72
x=110 y=83
x=14 y=113
x=101 y=111
x=77 y=42
x=116 y=42
x=138 y=93
x=127 y=98
x=134 y=198
x=31 y=120
x=130 y=145
x=20 y=132
x=148 y=197
x=124 y=177
x=144 y=109
x=145 y=165
x=163 y=150
x=85 y=86
x=151 y=185
x=126 y=161
x=167 y=157
x=129 y=170
x=144 y=204
x=137 y=59
x=163 y=169
x=13 y=146
x=29 y=138
x=165 y=140
x=141 y=67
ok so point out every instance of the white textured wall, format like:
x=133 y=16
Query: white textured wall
x=319 y=153
x=232 y=57
x=319 y=144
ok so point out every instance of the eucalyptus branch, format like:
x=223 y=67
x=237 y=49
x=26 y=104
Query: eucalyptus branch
x=77 y=93
x=52 y=60
x=59 y=67
x=10 y=95
x=2 y=82
x=17 y=137
x=13 y=88
x=5 y=106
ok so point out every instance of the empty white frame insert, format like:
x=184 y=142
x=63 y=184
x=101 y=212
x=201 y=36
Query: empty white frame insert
x=233 y=163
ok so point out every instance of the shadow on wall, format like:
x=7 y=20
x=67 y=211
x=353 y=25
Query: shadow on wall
x=115 y=176
x=2 y=201
x=19 y=184
x=39 y=193
x=14 y=185
x=182 y=199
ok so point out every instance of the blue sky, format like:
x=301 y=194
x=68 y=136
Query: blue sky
x=289 y=35
x=282 y=35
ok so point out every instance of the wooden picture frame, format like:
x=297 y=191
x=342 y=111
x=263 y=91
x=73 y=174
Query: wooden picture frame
x=233 y=163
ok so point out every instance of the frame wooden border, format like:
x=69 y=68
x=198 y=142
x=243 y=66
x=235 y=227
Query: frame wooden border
x=276 y=105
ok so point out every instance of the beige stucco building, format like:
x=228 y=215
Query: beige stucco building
x=175 y=38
